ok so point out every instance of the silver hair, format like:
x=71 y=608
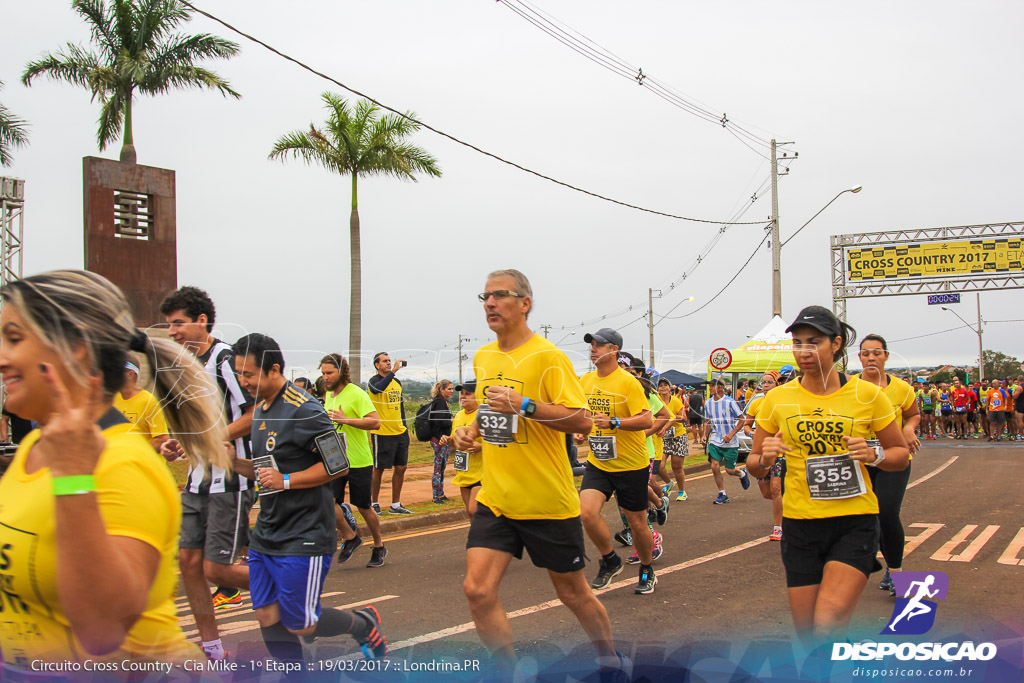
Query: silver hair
x=522 y=284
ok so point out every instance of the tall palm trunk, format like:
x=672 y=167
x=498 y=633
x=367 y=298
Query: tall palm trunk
x=128 y=148
x=355 y=314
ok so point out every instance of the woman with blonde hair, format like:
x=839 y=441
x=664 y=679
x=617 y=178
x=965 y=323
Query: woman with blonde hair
x=90 y=517
x=440 y=426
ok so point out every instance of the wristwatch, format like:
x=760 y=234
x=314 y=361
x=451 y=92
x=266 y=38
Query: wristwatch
x=881 y=456
x=530 y=408
x=614 y=423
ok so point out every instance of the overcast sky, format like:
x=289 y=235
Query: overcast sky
x=913 y=100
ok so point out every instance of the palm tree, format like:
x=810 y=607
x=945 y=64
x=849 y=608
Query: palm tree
x=12 y=133
x=137 y=51
x=358 y=142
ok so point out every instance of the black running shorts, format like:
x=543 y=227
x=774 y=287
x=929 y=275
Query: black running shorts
x=629 y=487
x=807 y=544
x=217 y=523
x=390 y=450
x=553 y=544
x=358 y=480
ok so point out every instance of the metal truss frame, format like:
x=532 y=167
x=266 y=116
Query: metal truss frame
x=12 y=228
x=843 y=290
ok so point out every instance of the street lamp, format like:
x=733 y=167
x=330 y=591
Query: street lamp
x=777 y=250
x=571 y=334
x=650 y=316
x=981 y=353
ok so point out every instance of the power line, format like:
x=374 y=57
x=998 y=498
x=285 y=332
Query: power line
x=731 y=280
x=930 y=334
x=593 y=51
x=447 y=135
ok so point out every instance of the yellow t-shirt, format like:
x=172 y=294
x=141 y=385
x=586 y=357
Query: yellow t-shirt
x=138 y=499
x=618 y=395
x=675 y=406
x=813 y=426
x=143 y=411
x=475 y=463
x=531 y=478
x=388 y=405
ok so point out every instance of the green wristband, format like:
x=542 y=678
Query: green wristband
x=74 y=486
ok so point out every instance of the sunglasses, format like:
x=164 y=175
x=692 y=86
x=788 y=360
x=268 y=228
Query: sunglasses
x=499 y=294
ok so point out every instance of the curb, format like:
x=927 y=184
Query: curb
x=420 y=520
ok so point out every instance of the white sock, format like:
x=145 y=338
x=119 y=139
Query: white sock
x=722 y=492
x=778 y=528
x=214 y=649
x=397 y=504
x=609 y=662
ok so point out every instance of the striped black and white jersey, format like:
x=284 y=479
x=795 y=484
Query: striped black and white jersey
x=219 y=362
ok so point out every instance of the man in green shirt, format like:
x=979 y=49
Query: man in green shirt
x=354 y=415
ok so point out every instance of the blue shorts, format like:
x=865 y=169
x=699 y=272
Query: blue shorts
x=293 y=582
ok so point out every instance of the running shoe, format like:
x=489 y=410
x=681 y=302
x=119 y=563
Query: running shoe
x=634 y=558
x=625 y=537
x=377 y=556
x=441 y=500
x=647 y=581
x=227 y=598
x=658 y=549
x=681 y=496
x=347 y=548
x=350 y=519
x=374 y=645
x=661 y=513
x=376 y=507
x=623 y=674
x=721 y=500
x=606 y=572
x=886 y=582
x=776 y=535
x=399 y=509
x=745 y=480
x=667 y=487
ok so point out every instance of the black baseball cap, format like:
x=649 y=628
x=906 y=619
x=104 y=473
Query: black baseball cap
x=820 y=318
x=605 y=335
x=466 y=386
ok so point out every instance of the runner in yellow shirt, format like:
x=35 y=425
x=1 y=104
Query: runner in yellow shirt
x=469 y=466
x=618 y=462
x=530 y=398
x=821 y=422
x=141 y=408
x=82 y=492
x=676 y=444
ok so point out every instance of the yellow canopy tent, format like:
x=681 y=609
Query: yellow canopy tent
x=769 y=349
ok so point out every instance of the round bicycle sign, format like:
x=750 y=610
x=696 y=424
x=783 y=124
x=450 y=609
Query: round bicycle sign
x=721 y=359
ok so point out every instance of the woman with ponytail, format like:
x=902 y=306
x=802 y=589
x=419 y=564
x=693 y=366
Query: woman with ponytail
x=821 y=423
x=440 y=427
x=90 y=518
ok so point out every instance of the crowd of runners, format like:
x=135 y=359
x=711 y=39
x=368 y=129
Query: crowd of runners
x=830 y=450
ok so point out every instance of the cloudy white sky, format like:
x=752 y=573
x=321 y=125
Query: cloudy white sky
x=913 y=100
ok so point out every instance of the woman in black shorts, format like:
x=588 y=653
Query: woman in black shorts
x=821 y=422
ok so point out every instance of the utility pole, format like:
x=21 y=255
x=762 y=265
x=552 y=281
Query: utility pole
x=981 y=353
x=546 y=328
x=460 y=358
x=650 y=320
x=776 y=243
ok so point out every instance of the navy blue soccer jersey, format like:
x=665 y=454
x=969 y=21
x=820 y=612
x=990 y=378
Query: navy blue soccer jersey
x=294 y=521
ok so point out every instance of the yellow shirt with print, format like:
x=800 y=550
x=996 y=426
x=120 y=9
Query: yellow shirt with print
x=618 y=395
x=137 y=499
x=143 y=411
x=675 y=406
x=531 y=478
x=902 y=397
x=813 y=426
x=388 y=405
x=474 y=463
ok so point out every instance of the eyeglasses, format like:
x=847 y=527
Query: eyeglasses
x=499 y=294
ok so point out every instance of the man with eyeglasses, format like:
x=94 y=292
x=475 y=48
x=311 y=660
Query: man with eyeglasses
x=391 y=439
x=529 y=399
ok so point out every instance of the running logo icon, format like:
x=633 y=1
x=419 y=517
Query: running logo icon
x=914 y=612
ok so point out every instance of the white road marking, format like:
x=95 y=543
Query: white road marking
x=913 y=543
x=1009 y=555
x=243 y=626
x=945 y=553
x=933 y=472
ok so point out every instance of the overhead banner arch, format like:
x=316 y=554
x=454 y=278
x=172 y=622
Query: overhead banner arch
x=968 y=258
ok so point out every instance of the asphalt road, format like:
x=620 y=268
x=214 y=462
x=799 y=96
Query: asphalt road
x=721 y=583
